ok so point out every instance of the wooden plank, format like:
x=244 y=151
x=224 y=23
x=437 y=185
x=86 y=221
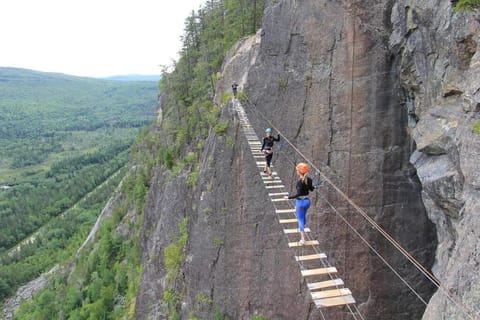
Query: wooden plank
x=330 y=293
x=285 y=211
x=279 y=194
x=325 y=284
x=332 y=302
x=289 y=231
x=311 y=256
x=274 y=173
x=307 y=243
x=272 y=181
x=275 y=187
x=288 y=221
x=319 y=271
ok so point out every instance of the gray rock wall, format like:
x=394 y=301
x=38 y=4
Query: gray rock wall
x=437 y=52
x=326 y=78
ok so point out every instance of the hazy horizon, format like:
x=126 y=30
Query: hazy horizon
x=93 y=39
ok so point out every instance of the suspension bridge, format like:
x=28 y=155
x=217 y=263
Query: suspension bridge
x=325 y=286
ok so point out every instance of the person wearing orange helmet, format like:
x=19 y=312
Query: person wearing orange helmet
x=302 y=202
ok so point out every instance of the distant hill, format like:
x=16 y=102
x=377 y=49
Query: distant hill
x=135 y=77
x=8 y=73
x=64 y=102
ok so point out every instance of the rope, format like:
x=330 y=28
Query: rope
x=365 y=215
x=375 y=251
x=349 y=174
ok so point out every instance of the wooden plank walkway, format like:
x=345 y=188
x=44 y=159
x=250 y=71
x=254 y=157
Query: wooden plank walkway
x=325 y=293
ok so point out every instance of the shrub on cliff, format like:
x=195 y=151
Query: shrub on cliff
x=462 y=5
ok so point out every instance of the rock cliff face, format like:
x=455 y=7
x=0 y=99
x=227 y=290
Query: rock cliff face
x=326 y=67
x=439 y=63
x=342 y=81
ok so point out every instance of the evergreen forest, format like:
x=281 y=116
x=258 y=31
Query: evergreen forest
x=102 y=281
x=64 y=145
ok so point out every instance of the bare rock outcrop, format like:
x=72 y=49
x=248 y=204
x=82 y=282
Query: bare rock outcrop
x=438 y=53
x=25 y=293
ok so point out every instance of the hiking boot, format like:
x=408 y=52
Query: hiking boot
x=302 y=242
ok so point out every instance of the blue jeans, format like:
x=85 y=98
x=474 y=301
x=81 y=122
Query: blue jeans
x=301 y=207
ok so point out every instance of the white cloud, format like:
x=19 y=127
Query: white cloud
x=92 y=37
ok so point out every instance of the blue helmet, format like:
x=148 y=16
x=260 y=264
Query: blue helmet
x=268 y=130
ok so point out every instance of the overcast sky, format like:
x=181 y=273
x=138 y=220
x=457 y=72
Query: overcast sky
x=94 y=38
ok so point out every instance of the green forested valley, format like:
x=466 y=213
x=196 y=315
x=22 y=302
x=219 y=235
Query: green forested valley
x=64 y=145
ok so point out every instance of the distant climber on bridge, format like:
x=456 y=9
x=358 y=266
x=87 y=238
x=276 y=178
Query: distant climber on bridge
x=267 y=148
x=302 y=203
x=234 y=89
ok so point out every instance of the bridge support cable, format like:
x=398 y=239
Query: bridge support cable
x=326 y=289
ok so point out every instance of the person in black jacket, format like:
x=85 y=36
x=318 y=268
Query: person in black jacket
x=234 y=89
x=302 y=202
x=267 y=148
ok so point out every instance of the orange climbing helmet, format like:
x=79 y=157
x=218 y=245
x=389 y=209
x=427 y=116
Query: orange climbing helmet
x=302 y=168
